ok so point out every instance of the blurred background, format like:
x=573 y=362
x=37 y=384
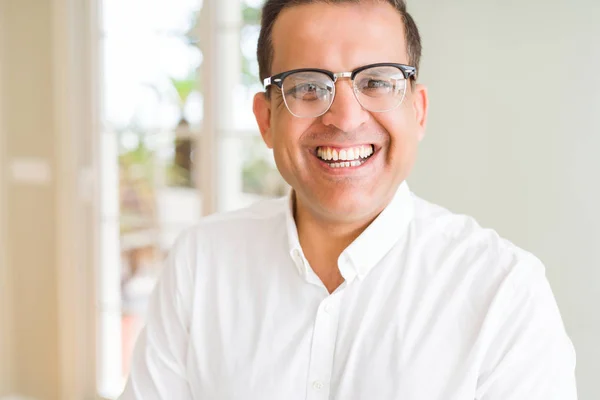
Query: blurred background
x=122 y=122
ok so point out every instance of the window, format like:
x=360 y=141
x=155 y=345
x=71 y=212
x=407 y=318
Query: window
x=152 y=136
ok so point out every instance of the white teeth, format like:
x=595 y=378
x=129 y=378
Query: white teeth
x=350 y=154
x=346 y=164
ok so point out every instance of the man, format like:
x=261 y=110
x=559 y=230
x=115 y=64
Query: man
x=352 y=287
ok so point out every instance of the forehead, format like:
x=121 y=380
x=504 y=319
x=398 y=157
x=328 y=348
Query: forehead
x=338 y=37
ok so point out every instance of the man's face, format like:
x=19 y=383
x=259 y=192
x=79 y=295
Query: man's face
x=341 y=38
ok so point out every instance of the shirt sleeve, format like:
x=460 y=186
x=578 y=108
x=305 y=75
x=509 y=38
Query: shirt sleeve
x=530 y=356
x=158 y=365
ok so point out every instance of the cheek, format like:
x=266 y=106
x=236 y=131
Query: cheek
x=403 y=136
x=287 y=132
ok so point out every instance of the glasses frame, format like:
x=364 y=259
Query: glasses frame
x=408 y=71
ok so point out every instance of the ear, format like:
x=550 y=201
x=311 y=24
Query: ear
x=420 y=106
x=262 y=113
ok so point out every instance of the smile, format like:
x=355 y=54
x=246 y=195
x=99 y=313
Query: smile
x=345 y=157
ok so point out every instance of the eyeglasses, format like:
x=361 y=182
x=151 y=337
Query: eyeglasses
x=309 y=92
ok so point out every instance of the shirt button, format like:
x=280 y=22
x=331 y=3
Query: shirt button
x=328 y=308
x=317 y=385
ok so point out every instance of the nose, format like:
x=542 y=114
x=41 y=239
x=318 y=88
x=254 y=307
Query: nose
x=345 y=113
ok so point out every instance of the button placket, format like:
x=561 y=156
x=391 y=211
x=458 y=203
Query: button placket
x=323 y=348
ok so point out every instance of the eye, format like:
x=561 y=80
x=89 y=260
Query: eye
x=307 y=91
x=374 y=87
x=378 y=84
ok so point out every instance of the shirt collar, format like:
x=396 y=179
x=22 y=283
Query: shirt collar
x=368 y=248
x=381 y=235
x=292 y=234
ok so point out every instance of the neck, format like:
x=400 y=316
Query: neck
x=324 y=240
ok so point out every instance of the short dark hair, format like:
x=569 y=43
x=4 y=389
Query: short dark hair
x=273 y=8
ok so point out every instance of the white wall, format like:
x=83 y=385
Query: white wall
x=514 y=137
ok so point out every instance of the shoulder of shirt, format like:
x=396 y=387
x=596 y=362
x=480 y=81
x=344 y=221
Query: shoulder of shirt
x=224 y=235
x=237 y=224
x=265 y=209
x=462 y=238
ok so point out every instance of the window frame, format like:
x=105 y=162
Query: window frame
x=76 y=79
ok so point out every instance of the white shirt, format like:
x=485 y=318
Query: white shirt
x=433 y=307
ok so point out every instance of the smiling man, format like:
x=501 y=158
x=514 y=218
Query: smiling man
x=351 y=287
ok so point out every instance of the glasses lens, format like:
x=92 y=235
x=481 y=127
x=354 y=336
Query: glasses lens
x=308 y=94
x=380 y=89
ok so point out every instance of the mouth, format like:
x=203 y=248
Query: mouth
x=345 y=157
